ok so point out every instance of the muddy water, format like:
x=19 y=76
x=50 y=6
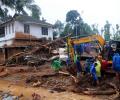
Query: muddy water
x=44 y=93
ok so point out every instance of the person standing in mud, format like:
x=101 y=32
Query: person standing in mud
x=78 y=67
x=116 y=65
x=98 y=67
x=94 y=75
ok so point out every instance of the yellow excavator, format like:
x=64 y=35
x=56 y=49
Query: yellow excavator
x=98 y=39
x=99 y=44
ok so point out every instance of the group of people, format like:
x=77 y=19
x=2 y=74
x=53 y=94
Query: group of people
x=94 y=68
x=97 y=67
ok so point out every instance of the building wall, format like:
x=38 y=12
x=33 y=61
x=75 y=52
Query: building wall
x=12 y=27
x=9 y=31
x=19 y=27
x=35 y=30
x=7 y=42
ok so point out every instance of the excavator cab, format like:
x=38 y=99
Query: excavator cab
x=72 y=42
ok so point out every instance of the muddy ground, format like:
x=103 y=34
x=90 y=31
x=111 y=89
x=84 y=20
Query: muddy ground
x=25 y=82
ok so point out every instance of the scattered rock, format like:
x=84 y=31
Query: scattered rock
x=36 y=84
x=51 y=91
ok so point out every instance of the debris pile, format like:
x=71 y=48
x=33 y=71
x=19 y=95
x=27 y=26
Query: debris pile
x=36 y=55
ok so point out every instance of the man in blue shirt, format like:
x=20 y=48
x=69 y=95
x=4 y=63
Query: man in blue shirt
x=116 y=65
x=94 y=75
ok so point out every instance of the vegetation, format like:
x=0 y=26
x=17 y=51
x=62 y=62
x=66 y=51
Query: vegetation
x=107 y=34
x=75 y=25
x=58 y=28
x=19 y=7
x=116 y=32
x=36 y=11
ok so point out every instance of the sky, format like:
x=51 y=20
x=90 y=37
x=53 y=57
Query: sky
x=92 y=11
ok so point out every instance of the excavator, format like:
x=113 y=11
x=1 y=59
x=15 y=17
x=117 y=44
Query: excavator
x=98 y=42
x=96 y=39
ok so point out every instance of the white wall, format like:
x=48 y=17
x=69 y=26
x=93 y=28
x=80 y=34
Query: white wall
x=19 y=27
x=9 y=42
x=35 y=30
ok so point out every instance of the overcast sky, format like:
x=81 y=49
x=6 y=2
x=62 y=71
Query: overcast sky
x=92 y=11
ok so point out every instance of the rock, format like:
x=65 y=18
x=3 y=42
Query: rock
x=15 y=97
x=36 y=84
x=51 y=91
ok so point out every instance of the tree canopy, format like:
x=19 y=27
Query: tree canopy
x=58 y=28
x=73 y=16
x=107 y=34
x=76 y=25
x=36 y=11
x=19 y=6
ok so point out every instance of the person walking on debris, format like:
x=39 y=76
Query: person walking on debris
x=94 y=75
x=98 y=67
x=78 y=67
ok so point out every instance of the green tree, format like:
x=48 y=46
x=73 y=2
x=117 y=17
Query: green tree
x=75 y=25
x=74 y=21
x=58 y=28
x=117 y=33
x=36 y=11
x=5 y=4
x=107 y=34
x=19 y=6
x=72 y=17
x=68 y=29
x=95 y=28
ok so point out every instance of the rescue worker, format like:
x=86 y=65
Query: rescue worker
x=93 y=73
x=98 y=68
x=104 y=66
x=112 y=51
x=116 y=65
x=78 y=67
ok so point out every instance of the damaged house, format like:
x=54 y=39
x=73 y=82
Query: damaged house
x=21 y=31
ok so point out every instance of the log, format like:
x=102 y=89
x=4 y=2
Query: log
x=11 y=65
x=107 y=92
x=74 y=78
x=114 y=87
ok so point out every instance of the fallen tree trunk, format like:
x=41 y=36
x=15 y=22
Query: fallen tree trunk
x=107 y=92
x=64 y=73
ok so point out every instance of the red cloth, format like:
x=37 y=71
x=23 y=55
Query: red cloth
x=104 y=65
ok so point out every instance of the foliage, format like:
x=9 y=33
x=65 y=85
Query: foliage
x=4 y=14
x=58 y=28
x=72 y=17
x=8 y=3
x=107 y=34
x=75 y=25
x=19 y=6
x=117 y=33
x=95 y=28
x=36 y=11
x=68 y=29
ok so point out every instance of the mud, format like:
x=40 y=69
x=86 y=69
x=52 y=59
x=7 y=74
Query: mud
x=45 y=77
